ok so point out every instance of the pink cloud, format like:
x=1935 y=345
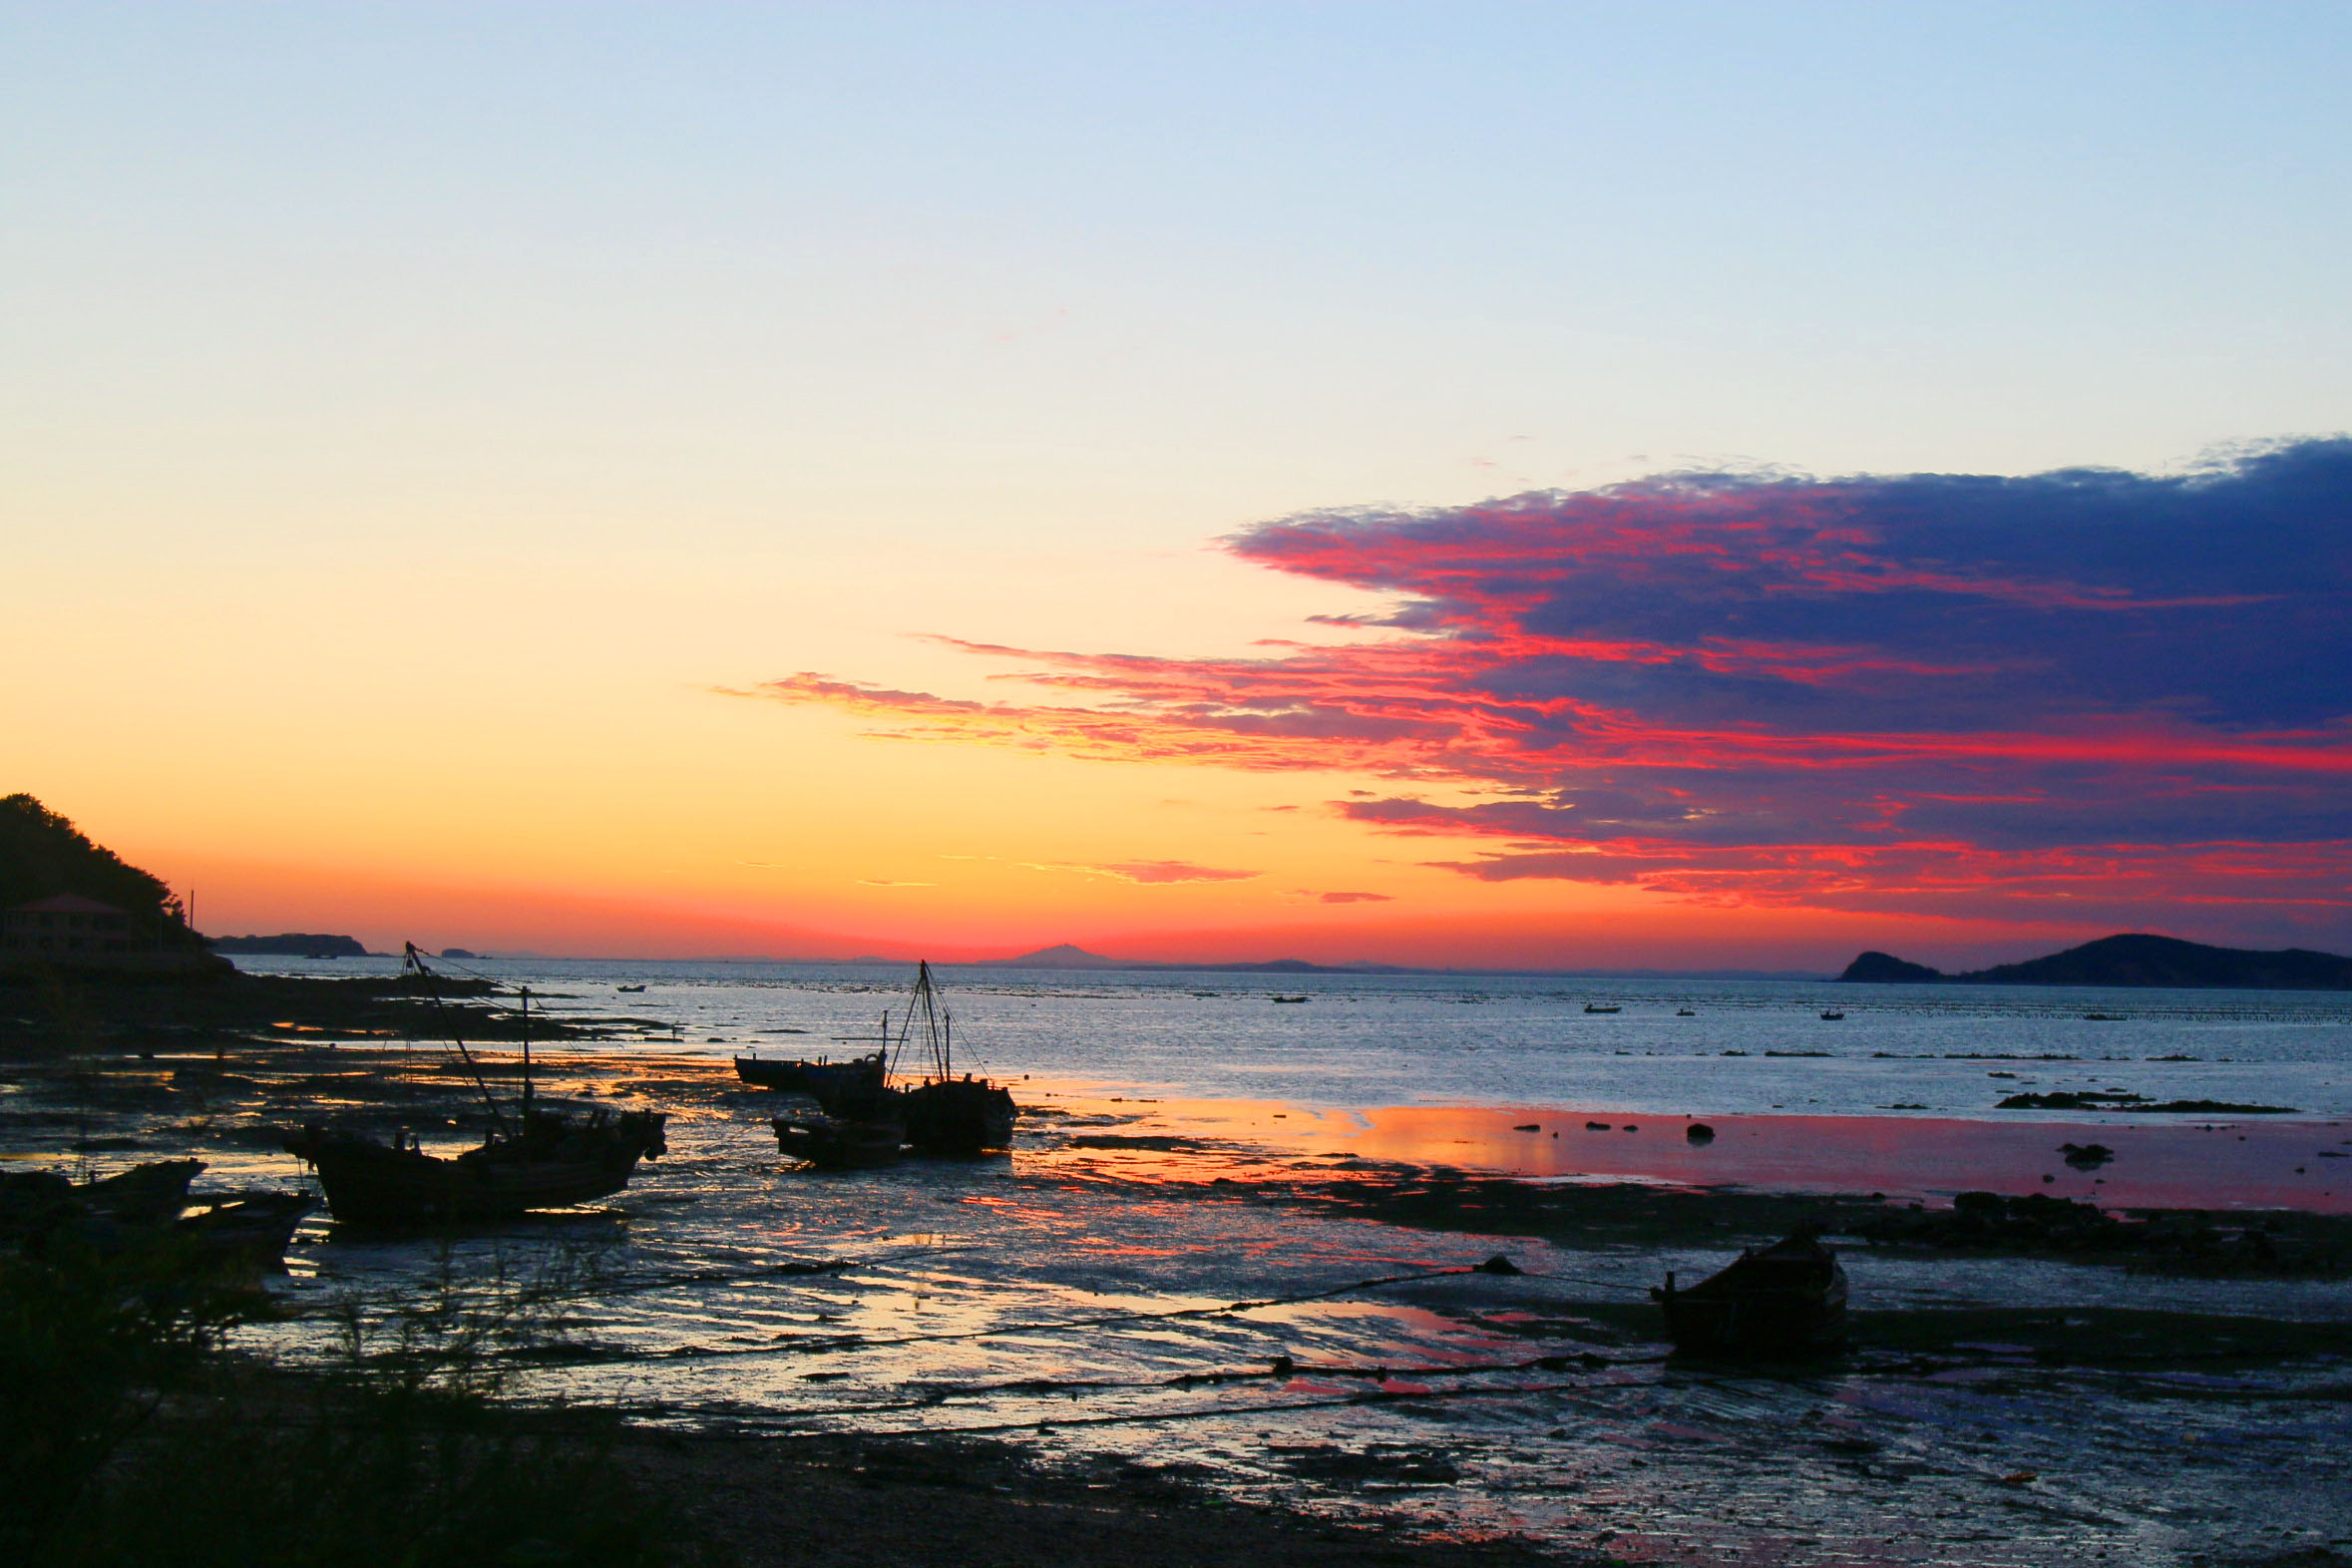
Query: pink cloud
x=2084 y=689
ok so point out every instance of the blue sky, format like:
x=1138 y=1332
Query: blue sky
x=1325 y=251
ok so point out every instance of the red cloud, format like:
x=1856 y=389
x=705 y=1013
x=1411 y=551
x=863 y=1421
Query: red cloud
x=2082 y=690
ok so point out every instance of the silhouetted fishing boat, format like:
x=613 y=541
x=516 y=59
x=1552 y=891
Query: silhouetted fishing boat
x=833 y=1144
x=945 y=1114
x=819 y=1077
x=1834 y=1016
x=551 y=1161
x=149 y=1211
x=1596 y=1006
x=1287 y=998
x=535 y=1159
x=40 y=1210
x=150 y=1194
x=629 y=988
x=242 y=1235
x=1785 y=1300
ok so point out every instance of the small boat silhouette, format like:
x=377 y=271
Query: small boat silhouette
x=1788 y=1299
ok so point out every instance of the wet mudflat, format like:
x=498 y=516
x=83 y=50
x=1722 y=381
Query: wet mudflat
x=1212 y=1303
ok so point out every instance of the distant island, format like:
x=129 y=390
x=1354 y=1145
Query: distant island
x=1068 y=955
x=2132 y=960
x=292 y=945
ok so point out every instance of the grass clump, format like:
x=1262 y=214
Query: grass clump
x=134 y=1437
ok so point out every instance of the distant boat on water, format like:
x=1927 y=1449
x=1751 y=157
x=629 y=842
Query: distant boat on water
x=1598 y=1006
x=1834 y=1016
x=1287 y=998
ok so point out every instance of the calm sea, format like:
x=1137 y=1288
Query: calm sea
x=1358 y=1042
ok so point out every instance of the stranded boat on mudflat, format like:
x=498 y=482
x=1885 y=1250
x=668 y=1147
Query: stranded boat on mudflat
x=148 y=1210
x=819 y=1077
x=1788 y=1299
x=836 y=1143
x=946 y=1114
x=867 y=1119
x=537 y=1159
x=551 y=1161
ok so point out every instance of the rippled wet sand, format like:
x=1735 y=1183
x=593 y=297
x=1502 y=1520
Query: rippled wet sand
x=1093 y=1294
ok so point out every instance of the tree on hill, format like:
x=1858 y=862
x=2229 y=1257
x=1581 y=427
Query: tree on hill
x=42 y=853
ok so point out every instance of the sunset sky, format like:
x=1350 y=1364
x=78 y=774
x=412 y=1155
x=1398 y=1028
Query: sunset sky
x=1677 y=486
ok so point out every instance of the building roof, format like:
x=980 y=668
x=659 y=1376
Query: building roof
x=67 y=904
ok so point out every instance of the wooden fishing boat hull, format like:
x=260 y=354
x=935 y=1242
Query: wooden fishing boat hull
x=44 y=1211
x=764 y=1074
x=958 y=1116
x=244 y=1235
x=1787 y=1300
x=371 y=1183
x=834 y=1143
x=859 y=1075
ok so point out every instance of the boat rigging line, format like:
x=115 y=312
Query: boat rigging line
x=416 y=961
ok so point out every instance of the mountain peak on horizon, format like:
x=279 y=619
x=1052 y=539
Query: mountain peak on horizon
x=1062 y=956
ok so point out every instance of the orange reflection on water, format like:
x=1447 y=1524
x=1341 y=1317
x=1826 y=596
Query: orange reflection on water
x=2248 y=1163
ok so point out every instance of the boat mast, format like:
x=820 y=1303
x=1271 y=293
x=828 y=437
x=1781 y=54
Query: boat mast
x=415 y=959
x=933 y=1014
x=525 y=1058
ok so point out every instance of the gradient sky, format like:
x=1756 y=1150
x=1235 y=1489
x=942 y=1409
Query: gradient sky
x=1578 y=485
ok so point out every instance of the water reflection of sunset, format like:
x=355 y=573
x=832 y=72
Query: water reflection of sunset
x=2175 y=1163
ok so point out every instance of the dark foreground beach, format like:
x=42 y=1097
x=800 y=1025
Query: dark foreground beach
x=1168 y=1331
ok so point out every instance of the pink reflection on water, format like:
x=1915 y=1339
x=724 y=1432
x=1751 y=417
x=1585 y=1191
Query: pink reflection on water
x=2175 y=1163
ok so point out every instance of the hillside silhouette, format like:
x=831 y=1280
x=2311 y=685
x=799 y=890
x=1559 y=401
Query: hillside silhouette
x=42 y=854
x=2132 y=958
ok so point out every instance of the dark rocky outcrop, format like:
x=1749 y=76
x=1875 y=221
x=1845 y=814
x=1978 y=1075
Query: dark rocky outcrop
x=2136 y=959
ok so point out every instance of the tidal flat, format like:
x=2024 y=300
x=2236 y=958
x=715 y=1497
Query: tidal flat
x=1259 y=1324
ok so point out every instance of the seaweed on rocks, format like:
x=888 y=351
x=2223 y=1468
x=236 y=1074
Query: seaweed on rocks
x=2170 y=1241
